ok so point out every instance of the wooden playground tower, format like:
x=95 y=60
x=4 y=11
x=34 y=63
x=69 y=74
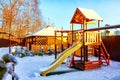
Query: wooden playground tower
x=90 y=40
x=81 y=43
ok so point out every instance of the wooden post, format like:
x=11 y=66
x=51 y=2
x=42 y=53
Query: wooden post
x=9 y=42
x=72 y=32
x=67 y=40
x=84 y=40
x=55 y=46
x=99 y=52
x=10 y=34
x=35 y=43
x=86 y=53
x=62 y=38
x=81 y=53
x=99 y=46
x=99 y=31
x=81 y=49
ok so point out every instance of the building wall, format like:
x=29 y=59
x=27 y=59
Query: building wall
x=44 y=42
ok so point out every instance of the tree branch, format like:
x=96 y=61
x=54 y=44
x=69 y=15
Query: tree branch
x=12 y=6
x=2 y=5
x=1 y=9
x=10 y=2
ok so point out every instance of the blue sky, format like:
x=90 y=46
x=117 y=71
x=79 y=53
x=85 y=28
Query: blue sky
x=60 y=12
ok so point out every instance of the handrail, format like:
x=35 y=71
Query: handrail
x=105 y=49
x=108 y=55
x=103 y=28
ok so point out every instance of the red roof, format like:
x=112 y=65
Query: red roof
x=82 y=14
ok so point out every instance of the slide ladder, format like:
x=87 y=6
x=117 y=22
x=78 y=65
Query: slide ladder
x=58 y=61
x=104 y=55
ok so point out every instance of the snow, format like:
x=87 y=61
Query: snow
x=29 y=68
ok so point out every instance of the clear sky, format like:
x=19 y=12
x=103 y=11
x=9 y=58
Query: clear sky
x=60 y=12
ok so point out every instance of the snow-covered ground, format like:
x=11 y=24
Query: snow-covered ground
x=29 y=68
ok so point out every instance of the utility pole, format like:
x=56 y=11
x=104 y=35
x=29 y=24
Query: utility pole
x=10 y=22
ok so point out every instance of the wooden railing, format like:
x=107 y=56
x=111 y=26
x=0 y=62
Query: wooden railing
x=106 y=54
x=91 y=37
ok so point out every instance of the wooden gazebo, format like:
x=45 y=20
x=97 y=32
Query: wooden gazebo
x=42 y=38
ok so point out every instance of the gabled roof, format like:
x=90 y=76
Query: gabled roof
x=84 y=14
x=46 y=31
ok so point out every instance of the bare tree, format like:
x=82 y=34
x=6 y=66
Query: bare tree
x=19 y=15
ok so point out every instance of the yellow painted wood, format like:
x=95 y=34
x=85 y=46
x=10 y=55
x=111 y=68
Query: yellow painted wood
x=58 y=61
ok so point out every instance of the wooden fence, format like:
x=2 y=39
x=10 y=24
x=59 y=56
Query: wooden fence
x=112 y=44
x=4 y=42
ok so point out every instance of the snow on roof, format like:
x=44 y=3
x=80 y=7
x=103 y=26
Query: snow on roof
x=90 y=14
x=82 y=14
x=46 y=31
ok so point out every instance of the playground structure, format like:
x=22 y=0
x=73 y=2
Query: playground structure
x=90 y=40
x=84 y=39
x=82 y=43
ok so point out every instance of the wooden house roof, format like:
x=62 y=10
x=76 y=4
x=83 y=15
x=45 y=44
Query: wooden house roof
x=82 y=14
x=46 y=31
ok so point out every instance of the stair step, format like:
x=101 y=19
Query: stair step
x=104 y=56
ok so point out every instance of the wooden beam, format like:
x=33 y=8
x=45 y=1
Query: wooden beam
x=103 y=28
x=91 y=22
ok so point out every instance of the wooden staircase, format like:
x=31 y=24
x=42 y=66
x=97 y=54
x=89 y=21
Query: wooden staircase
x=104 y=55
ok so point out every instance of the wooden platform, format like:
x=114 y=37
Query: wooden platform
x=88 y=65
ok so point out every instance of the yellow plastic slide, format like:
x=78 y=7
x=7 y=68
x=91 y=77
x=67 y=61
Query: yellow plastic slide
x=58 y=61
